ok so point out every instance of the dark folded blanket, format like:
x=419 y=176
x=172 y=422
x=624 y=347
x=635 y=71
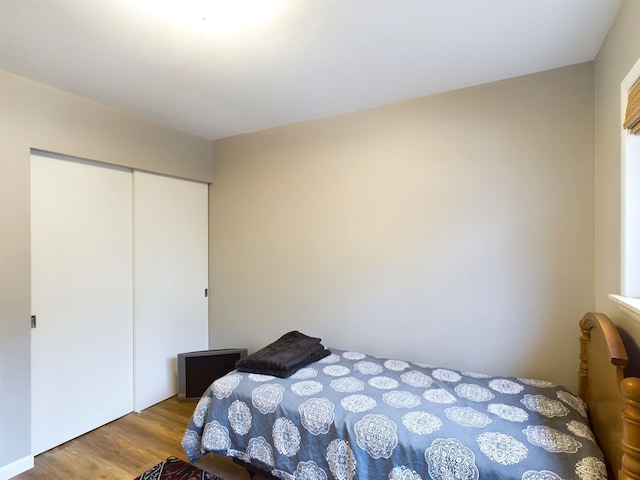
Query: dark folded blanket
x=283 y=357
x=314 y=356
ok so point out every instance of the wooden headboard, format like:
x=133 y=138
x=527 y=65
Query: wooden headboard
x=613 y=401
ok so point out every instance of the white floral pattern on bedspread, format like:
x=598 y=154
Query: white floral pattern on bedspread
x=354 y=416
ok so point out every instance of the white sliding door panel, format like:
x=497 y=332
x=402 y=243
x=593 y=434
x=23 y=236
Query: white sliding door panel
x=170 y=278
x=81 y=292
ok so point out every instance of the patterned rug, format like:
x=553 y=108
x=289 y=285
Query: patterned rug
x=175 y=469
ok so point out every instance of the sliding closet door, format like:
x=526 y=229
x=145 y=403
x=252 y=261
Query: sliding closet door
x=170 y=278
x=81 y=294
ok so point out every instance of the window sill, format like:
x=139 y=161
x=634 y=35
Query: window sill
x=628 y=305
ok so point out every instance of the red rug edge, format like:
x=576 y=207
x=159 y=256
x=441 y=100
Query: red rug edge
x=174 y=468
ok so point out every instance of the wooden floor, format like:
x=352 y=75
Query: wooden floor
x=123 y=449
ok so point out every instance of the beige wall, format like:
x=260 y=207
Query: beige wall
x=618 y=54
x=35 y=116
x=455 y=229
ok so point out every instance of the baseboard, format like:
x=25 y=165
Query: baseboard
x=16 y=468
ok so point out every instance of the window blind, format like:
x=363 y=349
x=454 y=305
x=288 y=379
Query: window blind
x=632 y=115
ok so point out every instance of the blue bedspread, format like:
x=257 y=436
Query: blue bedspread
x=354 y=416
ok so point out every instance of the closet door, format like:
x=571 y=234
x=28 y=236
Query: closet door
x=81 y=293
x=170 y=278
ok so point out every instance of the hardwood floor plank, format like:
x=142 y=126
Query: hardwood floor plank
x=126 y=447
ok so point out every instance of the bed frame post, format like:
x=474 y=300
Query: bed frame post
x=630 y=464
x=583 y=373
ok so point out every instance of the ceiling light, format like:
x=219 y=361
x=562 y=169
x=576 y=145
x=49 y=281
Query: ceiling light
x=216 y=17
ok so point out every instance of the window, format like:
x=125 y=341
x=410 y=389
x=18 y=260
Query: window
x=630 y=176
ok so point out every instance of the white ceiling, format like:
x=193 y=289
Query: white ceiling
x=198 y=71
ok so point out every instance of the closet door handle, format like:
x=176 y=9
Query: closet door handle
x=33 y=321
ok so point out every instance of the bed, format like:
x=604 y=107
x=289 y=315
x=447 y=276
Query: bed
x=351 y=415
